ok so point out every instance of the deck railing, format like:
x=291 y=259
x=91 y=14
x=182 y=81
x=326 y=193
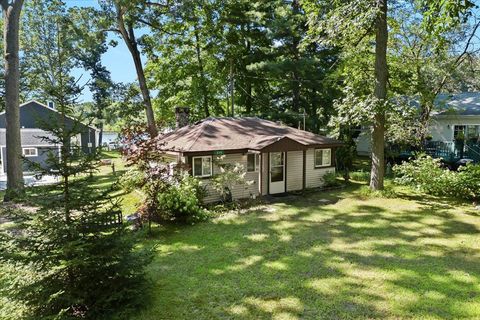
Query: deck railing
x=452 y=151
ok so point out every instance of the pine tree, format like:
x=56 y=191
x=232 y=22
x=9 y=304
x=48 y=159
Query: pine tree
x=75 y=249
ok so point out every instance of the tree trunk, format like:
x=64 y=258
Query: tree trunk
x=203 y=80
x=295 y=93
x=296 y=76
x=248 y=83
x=11 y=17
x=128 y=36
x=249 y=100
x=381 y=76
x=100 y=134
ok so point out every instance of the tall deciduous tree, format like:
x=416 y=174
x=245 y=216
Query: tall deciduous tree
x=348 y=24
x=11 y=23
x=422 y=65
x=89 y=26
x=381 y=78
x=124 y=17
x=356 y=26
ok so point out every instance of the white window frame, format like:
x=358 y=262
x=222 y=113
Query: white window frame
x=30 y=155
x=202 y=174
x=256 y=164
x=329 y=164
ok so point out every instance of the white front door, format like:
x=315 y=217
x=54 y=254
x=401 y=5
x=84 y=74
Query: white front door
x=277 y=172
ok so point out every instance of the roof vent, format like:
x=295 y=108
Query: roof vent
x=51 y=105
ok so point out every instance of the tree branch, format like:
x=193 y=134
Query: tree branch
x=157 y=27
x=156 y=4
x=459 y=58
x=110 y=30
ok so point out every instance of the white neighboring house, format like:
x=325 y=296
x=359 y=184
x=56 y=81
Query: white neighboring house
x=455 y=114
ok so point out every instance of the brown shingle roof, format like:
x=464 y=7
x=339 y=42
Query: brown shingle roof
x=235 y=134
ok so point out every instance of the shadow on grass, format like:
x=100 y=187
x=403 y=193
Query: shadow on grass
x=410 y=257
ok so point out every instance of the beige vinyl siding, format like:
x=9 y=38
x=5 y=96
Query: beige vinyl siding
x=294 y=170
x=169 y=158
x=314 y=175
x=240 y=190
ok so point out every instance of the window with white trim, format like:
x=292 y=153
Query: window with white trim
x=323 y=158
x=253 y=162
x=202 y=166
x=30 y=152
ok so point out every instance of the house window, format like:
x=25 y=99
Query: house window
x=323 y=158
x=30 y=152
x=253 y=162
x=458 y=132
x=202 y=166
x=472 y=132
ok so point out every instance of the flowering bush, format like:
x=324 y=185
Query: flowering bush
x=231 y=174
x=169 y=194
x=181 y=202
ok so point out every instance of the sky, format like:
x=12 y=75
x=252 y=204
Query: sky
x=117 y=59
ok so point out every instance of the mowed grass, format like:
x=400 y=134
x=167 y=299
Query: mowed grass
x=104 y=178
x=326 y=255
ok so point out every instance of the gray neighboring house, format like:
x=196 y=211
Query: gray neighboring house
x=34 y=148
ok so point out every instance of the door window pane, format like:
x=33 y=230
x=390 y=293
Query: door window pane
x=277 y=174
x=276 y=159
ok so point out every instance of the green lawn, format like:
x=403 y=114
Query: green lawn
x=408 y=257
x=325 y=255
x=104 y=179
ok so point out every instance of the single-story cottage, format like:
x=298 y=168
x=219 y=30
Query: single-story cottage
x=454 y=115
x=277 y=158
x=36 y=149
